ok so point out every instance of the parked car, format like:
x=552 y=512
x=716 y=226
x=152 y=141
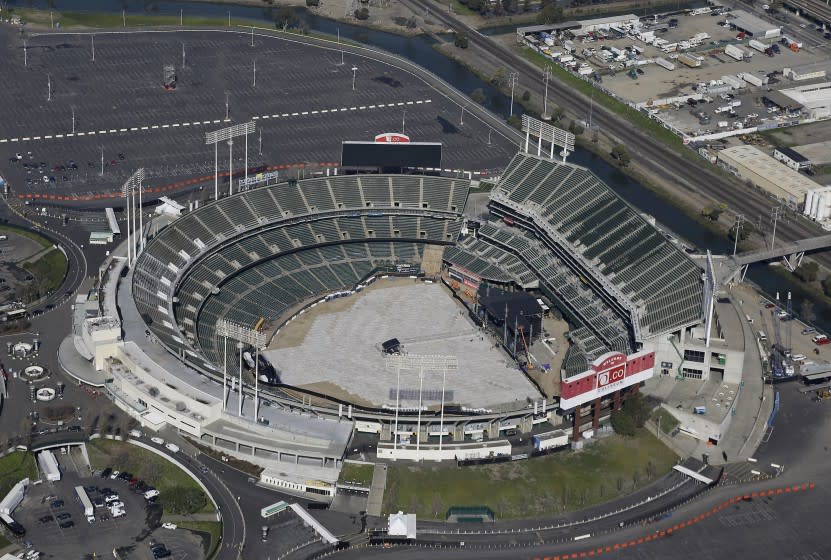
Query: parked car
x=46 y=519
x=67 y=524
x=169 y=525
x=157 y=440
x=172 y=447
x=135 y=433
x=56 y=504
x=63 y=516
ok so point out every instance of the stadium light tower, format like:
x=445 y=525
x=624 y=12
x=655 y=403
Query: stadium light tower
x=243 y=335
x=423 y=363
x=129 y=189
x=228 y=134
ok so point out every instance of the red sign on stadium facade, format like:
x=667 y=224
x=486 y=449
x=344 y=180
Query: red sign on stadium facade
x=608 y=373
x=392 y=138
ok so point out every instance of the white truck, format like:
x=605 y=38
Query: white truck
x=89 y=511
x=757 y=45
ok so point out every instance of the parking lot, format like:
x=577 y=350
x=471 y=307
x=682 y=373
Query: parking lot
x=86 y=125
x=56 y=525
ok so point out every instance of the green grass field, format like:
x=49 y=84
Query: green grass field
x=356 y=473
x=211 y=528
x=565 y=481
x=4 y=542
x=14 y=467
x=665 y=420
x=26 y=233
x=50 y=266
x=153 y=469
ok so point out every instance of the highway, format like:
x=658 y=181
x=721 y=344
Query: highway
x=660 y=159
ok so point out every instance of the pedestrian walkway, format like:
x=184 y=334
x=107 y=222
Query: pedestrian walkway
x=376 y=491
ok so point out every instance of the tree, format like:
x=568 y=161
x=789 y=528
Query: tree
x=808 y=313
x=183 y=499
x=461 y=40
x=526 y=96
x=478 y=96
x=515 y=121
x=745 y=231
x=362 y=13
x=557 y=113
x=312 y=3
x=621 y=154
x=500 y=77
x=712 y=213
x=623 y=423
x=576 y=128
x=285 y=18
x=552 y=13
x=808 y=271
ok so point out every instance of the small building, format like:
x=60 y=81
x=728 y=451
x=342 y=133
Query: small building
x=100 y=237
x=814 y=99
x=605 y=23
x=750 y=163
x=791 y=158
x=754 y=25
x=402 y=525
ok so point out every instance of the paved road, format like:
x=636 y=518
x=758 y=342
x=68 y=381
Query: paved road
x=651 y=152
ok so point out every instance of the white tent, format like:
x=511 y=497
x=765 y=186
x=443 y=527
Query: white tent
x=402 y=525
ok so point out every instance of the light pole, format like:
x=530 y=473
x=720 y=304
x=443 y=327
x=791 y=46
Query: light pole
x=102 y=161
x=403 y=120
x=181 y=13
x=229 y=18
x=183 y=56
x=73 y=120
x=354 y=74
x=25 y=55
x=123 y=18
x=227 y=107
x=512 y=80
x=261 y=142
x=92 y=42
x=462 y=117
x=252 y=35
x=49 y=87
x=739 y=220
x=340 y=47
x=547 y=75
x=489 y=136
x=240 y=346
x=255 y=74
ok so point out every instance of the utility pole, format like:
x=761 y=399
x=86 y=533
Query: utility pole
x=774 y=215
x=739 y=220
x=546 y=76
x=512 y=80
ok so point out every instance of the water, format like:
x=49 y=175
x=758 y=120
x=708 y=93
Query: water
x=420 y=50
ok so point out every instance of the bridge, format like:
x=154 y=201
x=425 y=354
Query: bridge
x=790 y=253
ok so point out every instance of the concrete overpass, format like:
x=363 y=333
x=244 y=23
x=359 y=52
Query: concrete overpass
x=790 y=253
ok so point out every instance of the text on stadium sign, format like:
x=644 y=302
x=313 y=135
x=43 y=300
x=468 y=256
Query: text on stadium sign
x=392 y=138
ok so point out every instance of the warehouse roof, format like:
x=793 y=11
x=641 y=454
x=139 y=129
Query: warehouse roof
x=754 y=25
x=749 y=159
x=792 y=154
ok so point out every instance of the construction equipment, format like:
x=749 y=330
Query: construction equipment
x=528 y=363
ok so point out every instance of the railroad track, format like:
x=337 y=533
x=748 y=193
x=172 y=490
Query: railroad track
x=660 y=159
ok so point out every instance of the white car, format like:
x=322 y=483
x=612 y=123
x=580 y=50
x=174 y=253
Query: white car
x=135 y=433
x=172 y=447
x=157 y=440
x=169 y=525
x=150 y=494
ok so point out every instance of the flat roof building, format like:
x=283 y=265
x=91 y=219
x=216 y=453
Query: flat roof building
x=768 y=174
x=605 y=23
x=791 y=158
x=756 y=26
x=814 y=99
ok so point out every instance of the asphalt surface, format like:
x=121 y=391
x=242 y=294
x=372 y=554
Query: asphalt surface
x=303 y=105
x=659 y=158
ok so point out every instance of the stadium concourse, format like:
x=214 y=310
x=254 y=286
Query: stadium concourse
x=260 y=258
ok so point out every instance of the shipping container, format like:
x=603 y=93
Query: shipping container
x=759 y=46
x=752 y=79
x=734 y=52
x=663 y=63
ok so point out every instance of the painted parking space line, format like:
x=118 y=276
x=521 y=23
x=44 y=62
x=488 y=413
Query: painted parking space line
x=214 y=121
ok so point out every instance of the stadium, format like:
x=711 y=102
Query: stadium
x=374 y=303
